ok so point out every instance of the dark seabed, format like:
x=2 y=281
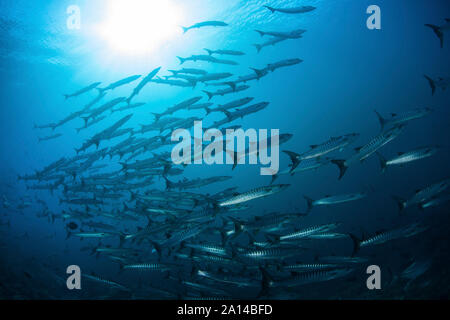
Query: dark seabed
x=88 y=177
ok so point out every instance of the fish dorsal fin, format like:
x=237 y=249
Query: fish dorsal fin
x=235 y=194
x=257 y=218
x=440 y=78
x=327 y=195
x=400 y=153
x=313 y=146
x=393 y=114
x=418 y=190
x=357 y=149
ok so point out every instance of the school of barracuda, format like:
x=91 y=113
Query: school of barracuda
x=174 y=228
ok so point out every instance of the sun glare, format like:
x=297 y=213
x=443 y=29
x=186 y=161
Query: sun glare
x=140 y=26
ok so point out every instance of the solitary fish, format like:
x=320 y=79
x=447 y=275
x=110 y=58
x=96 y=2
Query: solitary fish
x=143 y=82
x=119 y=83
x=405 y=157
x=383 y=237
x=402 y=118
x=329 y=200
x=225 y=52
x=205 y=24
x=53 y=136
x=283 y=63
x=271 y=42
x=302 y=9
x=81 y=91
x=253 y=194
x=226 y=91
x=189 y=71
x=295 y=34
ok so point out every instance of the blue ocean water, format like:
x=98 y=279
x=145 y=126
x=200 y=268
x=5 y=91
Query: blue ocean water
x=348 y=71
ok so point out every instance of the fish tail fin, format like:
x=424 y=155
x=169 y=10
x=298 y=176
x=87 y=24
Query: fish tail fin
x=210 y=94
x=380 y=119
x=210 y=52
x=294 y=159
x=383 y=164
x=258 y=72
x=261 y=33
x=193 y=82
x=185 y=29
x=100 y=90
x=232 y=85
x=182 y=60
x=121 y=239
x=258 y=47
x=233 y=156
x=124 y=165
x=169 y=183
x=66 y=96
x=432 y=84
x=128 y=100
x=265 y=283
x=86 y=119
x=309 y=203
x=273 y=239
x=237 y=225
x=274 y=177
x=157 y=116
x=438 y=32
x=356 y=244
x=342 y=167
x=270 y=8
x=157 y=247
x=400 y=203
x=208 y=110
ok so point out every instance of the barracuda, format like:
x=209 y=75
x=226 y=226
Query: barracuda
x=216 y=250
x=406 y=157
x=333 y=144
x=237 y=281
x=303 y=267
x=148 y=267
x=364 y=152
x=254 y=194
x=269 y=253
x=383 y=237
x=423 y=195
x=330 y=200
x=307 y=232
x=402 y=118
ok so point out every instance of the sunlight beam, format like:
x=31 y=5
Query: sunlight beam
x=140 y=26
